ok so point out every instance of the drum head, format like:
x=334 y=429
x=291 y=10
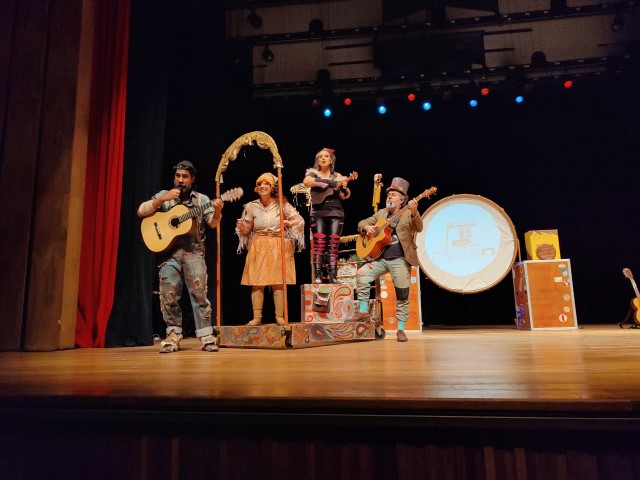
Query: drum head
x=468 y=243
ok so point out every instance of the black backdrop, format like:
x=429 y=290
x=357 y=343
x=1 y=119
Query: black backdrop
x=564 y=159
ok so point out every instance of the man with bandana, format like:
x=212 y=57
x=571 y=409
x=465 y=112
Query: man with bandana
x=398 y=256
x=183 y=262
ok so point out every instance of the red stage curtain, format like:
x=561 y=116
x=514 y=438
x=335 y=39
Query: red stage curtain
x=103 y=188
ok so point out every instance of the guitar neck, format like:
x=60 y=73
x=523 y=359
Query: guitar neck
x=635 y=288
x=397 y=215
x=193 y=212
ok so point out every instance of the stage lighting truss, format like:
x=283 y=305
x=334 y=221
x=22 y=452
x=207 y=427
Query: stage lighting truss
x=536 y=71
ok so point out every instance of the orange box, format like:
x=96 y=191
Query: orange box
x=543 y=293
x=388 y=301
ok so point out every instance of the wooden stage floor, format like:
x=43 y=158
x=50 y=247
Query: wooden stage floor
x=592 y=372
x=472 y=403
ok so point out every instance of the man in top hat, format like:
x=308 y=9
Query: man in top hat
x=398 y=255
x=183 y=261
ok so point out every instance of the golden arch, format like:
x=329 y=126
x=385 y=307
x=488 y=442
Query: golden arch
x=265 y=142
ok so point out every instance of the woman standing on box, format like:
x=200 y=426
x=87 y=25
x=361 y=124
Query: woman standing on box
x=259 y=232
x=327 y=189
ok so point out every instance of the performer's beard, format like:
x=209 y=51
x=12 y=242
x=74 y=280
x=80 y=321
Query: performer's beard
x=391 y=204
x=185 y=191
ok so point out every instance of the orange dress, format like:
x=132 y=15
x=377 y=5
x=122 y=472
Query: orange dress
x=263 y=265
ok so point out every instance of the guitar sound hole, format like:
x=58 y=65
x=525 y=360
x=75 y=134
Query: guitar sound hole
x=174 y=222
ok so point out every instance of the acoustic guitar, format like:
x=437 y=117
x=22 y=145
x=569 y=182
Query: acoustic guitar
x=635 y=303
x=318 y=194
x=161 y=229
x=369 y=247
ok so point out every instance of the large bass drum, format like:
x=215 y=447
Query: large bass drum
x=468 y=243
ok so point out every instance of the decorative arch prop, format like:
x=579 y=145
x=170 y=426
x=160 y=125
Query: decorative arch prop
x=265 y=142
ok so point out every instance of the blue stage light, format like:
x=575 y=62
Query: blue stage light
x=426 y=106
x=519 y=99
x=382 y=109
x=327 y=112
x=473 y=103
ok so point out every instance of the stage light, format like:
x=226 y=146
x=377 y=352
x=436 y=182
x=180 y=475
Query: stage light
x=315 y=102
x=316 y=27
x=327 y=112
x=347 y=101
x=254 y=19
x=473 y=103
x=411 y=97
x=519 y=99
x=484 y=91
x=426 y=106
x=267 y=54
x=382 y=109
x=568 y=84
x=618 y=24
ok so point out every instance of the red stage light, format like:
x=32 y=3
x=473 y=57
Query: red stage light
x=347 y=101
x=315 y=102
x=568 y=84
x=484 y=91
x=411 y=97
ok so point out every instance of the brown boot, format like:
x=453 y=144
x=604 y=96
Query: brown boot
x=171 y=343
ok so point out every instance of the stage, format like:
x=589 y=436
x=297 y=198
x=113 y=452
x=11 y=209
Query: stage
x=494 y=398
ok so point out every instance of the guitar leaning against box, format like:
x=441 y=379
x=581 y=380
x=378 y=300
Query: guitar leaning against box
x=634 y=309
x=370 y=247
x=318 y=194
x=162 y=228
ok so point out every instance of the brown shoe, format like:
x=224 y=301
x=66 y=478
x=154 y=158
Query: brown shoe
x=402 y=337
x=255 y=322
x=171 y=343
x=360 y=317
x=279 y=320
x=209 y=343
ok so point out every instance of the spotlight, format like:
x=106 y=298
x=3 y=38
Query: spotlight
x=315 y=102
x=327 y=112
x=254 y=19
x=382 y=108
x=267 y=54
x=484 y=91
x=347 y=101
x=473 y=103
x=411 y=97
x=538 y=60
x=568 y=84
x=316 y=27
x=426 y=106
x=618 y=23
x=519 y=99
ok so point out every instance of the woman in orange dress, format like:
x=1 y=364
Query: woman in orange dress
x=259 y=232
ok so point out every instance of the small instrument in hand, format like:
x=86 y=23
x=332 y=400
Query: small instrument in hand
x=318 y=194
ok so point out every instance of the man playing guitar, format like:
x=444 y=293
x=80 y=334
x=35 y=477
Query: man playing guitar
x=398 y=255
x=183 y=262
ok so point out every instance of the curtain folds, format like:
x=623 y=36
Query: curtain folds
x=101 y=216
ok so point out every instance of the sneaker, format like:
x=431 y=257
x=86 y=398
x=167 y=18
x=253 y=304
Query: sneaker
x=402 y=337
